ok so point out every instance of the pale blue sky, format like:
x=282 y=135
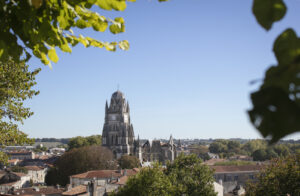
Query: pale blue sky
x=187 y=72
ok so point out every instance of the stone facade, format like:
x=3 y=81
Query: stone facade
x=157 y=151
x=118 y=134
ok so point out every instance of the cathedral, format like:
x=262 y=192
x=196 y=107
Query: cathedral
x=118 y=134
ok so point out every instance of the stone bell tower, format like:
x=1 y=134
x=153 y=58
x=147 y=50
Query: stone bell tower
x=118 y=132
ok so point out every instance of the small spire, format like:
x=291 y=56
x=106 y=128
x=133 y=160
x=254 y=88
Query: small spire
x=106 y=107
x=171 y=140
x=127 y=109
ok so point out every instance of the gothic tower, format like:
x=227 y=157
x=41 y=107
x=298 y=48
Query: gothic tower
x=118 y=132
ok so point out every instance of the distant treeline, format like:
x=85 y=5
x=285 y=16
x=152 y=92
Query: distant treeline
x=61 y=140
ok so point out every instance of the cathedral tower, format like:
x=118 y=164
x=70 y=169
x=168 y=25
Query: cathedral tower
x=118 y=132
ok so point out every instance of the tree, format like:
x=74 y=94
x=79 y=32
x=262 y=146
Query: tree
x=233 y=145
x=276 y=105
x=259 y=155
x=254 y=145
x=201 y=151
x=16 y=83
x=282 y=150
x=77 y=142
x=190 y=177
x=217 y=147
x=185 y=176
x=19 y=169
x=79 y=160
x=129 y=162
x=38 y=26
x=281 y=177
x=150 y=181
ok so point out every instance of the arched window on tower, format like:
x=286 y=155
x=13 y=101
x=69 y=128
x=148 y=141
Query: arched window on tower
x=117 y=141
x=112 y=139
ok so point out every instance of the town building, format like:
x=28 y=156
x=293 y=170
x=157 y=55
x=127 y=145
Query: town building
x=21 y=154
x=10 y=181
x=39 y=191
x=98 y=182
x=232 y=176
x=37 y=174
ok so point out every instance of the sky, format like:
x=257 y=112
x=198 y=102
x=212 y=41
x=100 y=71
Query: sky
x=187 y=73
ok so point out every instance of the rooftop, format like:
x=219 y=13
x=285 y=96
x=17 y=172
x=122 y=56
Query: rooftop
x=76 y=190
x=38 y=191
x=106 y=173
x=234 y=168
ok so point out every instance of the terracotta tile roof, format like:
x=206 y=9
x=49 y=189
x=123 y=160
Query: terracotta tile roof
x=233 y=168
x=39 y=191
x=13 y=160
x=106 y=173
x=19 y=152
x=122 y=180
x=213 y=161
x=76 y=190
x=19 y=174
x=34 y=168
x=9 y=184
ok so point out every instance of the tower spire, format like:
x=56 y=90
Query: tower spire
x=106 y=107
x=127 y=109
x=171 y=142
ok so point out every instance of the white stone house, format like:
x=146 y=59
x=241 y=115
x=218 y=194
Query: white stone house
x=37 y=174
x=98 y=182
x=13 y=180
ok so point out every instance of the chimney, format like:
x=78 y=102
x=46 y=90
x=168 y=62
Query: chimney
x=125 y=172
x=220 y=182
x=94 y=184
x=57 y=186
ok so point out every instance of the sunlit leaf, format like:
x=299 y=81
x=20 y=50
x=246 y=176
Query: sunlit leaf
x=52 y=55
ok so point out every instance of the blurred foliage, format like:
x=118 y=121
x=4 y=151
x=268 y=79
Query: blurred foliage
x=19 y=169
x=190 y=177
x=39 y=27
x=150 y=181
x=201 y=151
x=80 y=160
x=276 y=105
x=16 y=83
x=185 y=176
x=129 y=162
x=258 y=149
x=40 y=148
x=281 y=177
x=77 y=142
x=235 y=163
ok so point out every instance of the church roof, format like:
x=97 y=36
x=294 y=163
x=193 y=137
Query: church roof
x=117 y=95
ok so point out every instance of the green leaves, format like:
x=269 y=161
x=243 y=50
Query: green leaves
x=117 y=26
x=287 y=48
x=268 y=11
x=16 y=84
x=52 y=55
x=279 y=177
x=185 y=176
x=39 y=26
x=276 y=106
x=119 y=5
